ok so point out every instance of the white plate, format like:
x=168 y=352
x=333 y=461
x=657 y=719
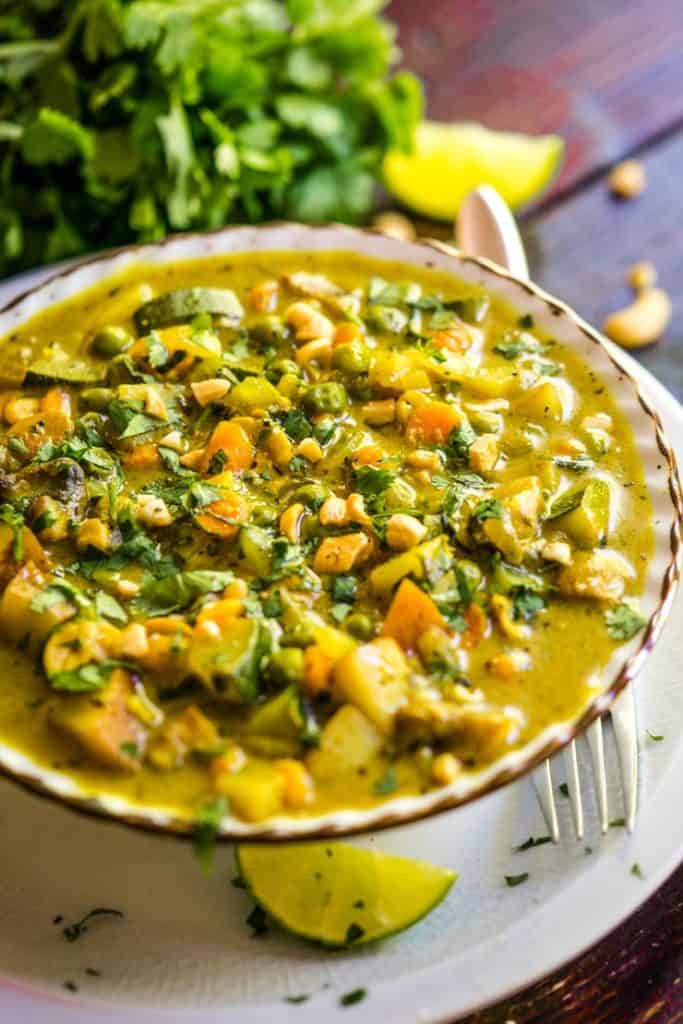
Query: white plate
x=183 y=948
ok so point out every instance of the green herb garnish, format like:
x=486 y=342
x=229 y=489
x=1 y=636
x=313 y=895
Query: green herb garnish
x=623 y=622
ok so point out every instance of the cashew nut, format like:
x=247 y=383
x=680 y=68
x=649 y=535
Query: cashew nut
x=641 y=323
x=627 y=179
x=642 y=275
x=395 y=225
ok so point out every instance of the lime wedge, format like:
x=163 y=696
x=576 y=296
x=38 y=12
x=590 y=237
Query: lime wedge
x=451 y=159
x=337 y=894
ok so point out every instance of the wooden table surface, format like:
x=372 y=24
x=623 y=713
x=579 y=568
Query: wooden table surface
x=607 y=75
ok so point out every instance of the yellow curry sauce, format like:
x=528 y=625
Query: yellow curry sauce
x=303 y=531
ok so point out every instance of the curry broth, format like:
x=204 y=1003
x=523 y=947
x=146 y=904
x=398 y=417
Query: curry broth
x=562 y=646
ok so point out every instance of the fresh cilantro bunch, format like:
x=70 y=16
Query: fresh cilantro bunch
x=130 y=119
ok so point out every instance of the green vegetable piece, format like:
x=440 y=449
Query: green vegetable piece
x=111 y=341
x=254 y=393
x=287 y=665
x=67 y=370
x=286 y=716
x=184 y=305
x=507 y=578
x=587 y=524
x=312 y=495
x=255 y=548
x=472 y=309
x=328 y=397
x=624 y=622
x=565 y=502
x=387 y=318
x=229 y=664
x=351 y=358
x=360 y=625
x=269 y=331
x=97 y=398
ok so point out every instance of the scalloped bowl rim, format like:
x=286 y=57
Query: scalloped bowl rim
x=659 y=465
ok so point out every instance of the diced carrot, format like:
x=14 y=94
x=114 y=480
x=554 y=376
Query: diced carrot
x=232 y=439
x=263 y=297
x=455 y=339
x=345 y=333
x=432 y=423
x=143 y=456
x=56 y=400
x=317 y=670
x=477 y=626
x=223 y=518
x=369 y=455
x=410 y=613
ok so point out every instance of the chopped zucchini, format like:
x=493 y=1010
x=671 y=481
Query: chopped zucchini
x=69 y=370
x=588 y=523
x=229 y=664
x=185 y=304
x=286 y=717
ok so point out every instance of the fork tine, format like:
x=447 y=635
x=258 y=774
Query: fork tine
x=626 y=735
x=574 y=787
x=543 y=783
x=597 y=747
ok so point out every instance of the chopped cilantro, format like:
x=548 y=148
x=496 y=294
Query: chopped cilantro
x=532 y=842
x=623 y=622
x=205 y=831
x=257 y=921
x=73 y=932
x=353 y=933
x=637 y=871
x=108 y=607
x=526 y=604
x=84 y=679
x=655 y=737
x=172 y=593
x=460 y=440
x=490 y=508
x=564 y=789
x=344 y=588
x=387 y=784
x=357 y=995
x=340 y=611
x=577 y=463
x=513 y=880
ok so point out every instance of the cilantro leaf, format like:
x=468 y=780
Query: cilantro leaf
x=205 y=831
x=623 y=622
x=172 y=593
x=490 y=508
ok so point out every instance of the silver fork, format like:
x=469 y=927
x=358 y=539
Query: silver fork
x=486 y=227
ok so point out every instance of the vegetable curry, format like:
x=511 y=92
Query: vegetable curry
x=302 y=532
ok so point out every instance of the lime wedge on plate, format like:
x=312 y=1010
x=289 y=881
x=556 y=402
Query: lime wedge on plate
x=337 y=894
x=451 y=159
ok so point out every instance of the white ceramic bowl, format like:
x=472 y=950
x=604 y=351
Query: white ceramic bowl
x=550 y=315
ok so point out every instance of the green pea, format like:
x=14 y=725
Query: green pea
x=328 y=397
x=282 y=368
x=353 y=357
x=97 y=398
x=287 y=665
x=360 y=625
x=387 y=318
x=268 y=330
x=311 y=495
x=112 y=341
